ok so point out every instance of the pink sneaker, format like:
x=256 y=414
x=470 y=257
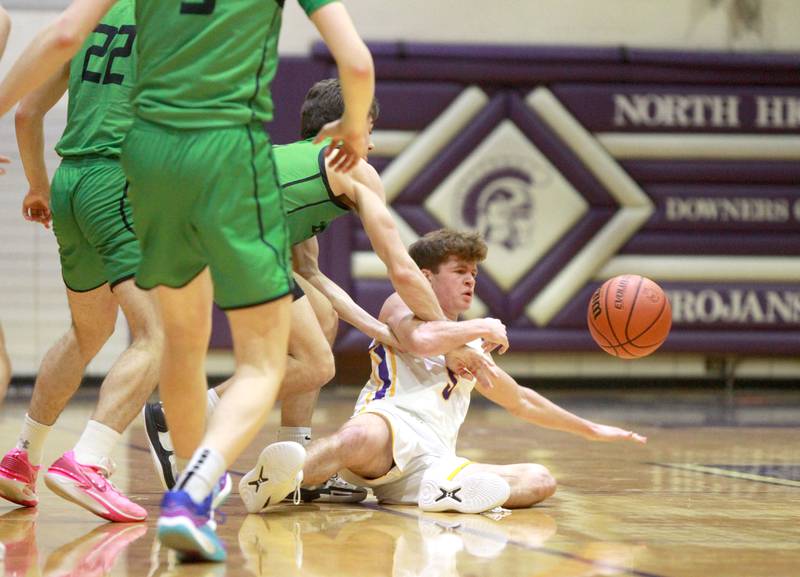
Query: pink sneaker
x=18 y=479
x=89 y=487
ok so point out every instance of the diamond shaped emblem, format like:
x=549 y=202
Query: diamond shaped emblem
x=511 y=200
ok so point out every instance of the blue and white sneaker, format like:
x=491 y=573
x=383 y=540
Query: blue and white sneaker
x=184 y=526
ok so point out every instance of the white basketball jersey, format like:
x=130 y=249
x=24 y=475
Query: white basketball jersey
x=423 y=388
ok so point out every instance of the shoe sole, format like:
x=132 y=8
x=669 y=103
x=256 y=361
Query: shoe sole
x=14 y=491
x=180 y=534
x=338 y=497
x=65 y=488
x=283 y=478
x=162 y=465
x=474 y=494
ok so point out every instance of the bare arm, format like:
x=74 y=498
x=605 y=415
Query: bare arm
x=305 y=260
x=430 y=338
x=50 y=49
x=364 y=188
x=534 y=408
x=357 y=77
x=30 y=139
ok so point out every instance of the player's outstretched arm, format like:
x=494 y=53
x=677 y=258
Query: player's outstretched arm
x=357 y=77
x=409 y=282
x=431 y=338
x=29 y=121
x=305 y=260
x=534 y=408
x=50 y=49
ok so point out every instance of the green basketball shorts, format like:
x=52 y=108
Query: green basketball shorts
x=93 y=223
x=209 y=198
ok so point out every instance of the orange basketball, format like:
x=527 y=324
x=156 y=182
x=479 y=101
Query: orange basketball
x=629 y=316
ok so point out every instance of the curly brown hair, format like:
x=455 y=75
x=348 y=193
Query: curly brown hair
x=438 y=246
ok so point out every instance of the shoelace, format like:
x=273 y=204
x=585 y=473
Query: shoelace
x=296 y=497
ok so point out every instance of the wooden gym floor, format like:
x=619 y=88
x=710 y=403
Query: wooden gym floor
x=716 y=492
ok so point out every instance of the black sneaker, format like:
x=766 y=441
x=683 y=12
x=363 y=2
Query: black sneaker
x=334 y=490
x=155 y=425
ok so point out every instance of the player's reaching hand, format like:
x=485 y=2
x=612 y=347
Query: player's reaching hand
x=608 y=433
x=3 y=160
x=387 y=337
x=36 y=207
x=349 y=143
x=468 y=362
x=495 y=337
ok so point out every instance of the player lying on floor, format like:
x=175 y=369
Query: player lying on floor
x=401 y=440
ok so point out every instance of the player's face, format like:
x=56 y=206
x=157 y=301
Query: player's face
x=454 y=285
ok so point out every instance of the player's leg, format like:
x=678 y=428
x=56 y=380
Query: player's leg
x=456 y=484
x=5 y=367
x=530 y=483
x=129 y=382
x=94 y=312
x=93 y=316
x=363 y=445
x=309 y=365
x=307 y=347
x=236 y=224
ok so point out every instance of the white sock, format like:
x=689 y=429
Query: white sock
x=31 y=439
x=95 y=445
x=300 y=435
x=202 y=474
x=211 y=402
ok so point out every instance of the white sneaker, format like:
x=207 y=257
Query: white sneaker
x=465 y=492
x=278 y=472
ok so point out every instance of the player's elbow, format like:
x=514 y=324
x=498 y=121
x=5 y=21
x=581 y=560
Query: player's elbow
x=66 y=36
x=359 y=65
x=518 y=407
x=27 y=113
x=421 y=344
x=402 y=274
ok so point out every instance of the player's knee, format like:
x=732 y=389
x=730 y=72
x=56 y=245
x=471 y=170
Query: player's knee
x=91 y=337
x=541 y=482
x=330 y=326
x=326 y=368
x=358 y=441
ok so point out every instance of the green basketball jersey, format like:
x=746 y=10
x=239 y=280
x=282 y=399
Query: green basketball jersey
x=208 y=63
x=307 y=197
x=101 y=78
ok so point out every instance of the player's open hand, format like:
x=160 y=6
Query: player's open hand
x=3 y=160
x=349 y=144
x=608 y=433
x=36 y=207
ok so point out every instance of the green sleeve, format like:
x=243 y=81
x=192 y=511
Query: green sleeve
x=311 y=6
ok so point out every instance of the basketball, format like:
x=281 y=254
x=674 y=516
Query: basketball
x=629 y=316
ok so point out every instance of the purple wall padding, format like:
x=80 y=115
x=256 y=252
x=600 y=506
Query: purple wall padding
x=648 y=172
